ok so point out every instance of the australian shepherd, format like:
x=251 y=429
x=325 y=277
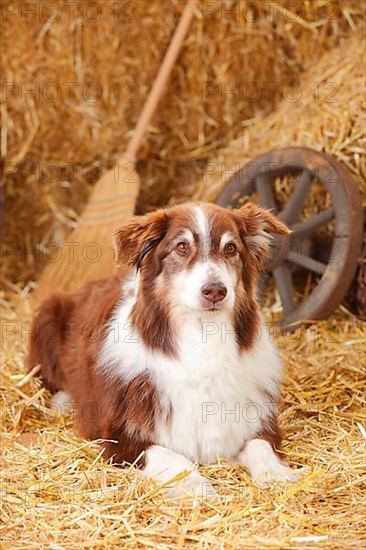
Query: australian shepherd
x=169 y=363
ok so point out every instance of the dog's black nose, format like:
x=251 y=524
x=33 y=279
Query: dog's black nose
x=214 y=292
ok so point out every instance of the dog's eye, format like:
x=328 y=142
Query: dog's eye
x=182 y=248
x=230 y=249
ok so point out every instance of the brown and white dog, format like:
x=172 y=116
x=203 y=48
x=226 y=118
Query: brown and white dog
x=172 y=352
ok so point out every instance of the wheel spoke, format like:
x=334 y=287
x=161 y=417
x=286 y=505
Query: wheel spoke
x=291 y=212
x=309 y=263
x=308 y=226
x=283 y=279
x=264 y=190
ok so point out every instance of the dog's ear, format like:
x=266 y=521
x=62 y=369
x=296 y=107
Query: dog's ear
x=140 y=235
x=256 y=226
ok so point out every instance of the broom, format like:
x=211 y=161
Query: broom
x=88 y=253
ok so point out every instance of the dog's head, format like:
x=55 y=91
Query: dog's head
x=199 y=257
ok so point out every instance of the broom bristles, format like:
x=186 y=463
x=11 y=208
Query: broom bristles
x=88 y=252
x=114 y=195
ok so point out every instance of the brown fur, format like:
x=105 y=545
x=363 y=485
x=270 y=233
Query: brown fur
x=272 y=433
x=76 y=321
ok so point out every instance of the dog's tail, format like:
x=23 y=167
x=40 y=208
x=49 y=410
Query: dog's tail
x=50 y=331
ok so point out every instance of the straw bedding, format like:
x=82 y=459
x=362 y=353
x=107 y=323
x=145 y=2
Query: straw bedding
x=56 y=490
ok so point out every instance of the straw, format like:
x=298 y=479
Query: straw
x=58 y=492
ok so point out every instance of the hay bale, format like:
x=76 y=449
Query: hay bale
x=75 y=79
x=328 y=116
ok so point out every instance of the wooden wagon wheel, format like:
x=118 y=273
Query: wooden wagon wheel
x=335 y=272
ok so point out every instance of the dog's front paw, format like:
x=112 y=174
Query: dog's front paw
x=278 y=473
x=176 y=473
x=264 y=464
x=193 y=485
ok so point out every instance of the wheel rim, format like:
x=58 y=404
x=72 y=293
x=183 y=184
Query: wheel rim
x=335 y=275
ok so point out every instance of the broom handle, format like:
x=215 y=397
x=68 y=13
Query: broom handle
x=160 y=80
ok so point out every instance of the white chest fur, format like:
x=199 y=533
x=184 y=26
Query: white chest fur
x=218 y=397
